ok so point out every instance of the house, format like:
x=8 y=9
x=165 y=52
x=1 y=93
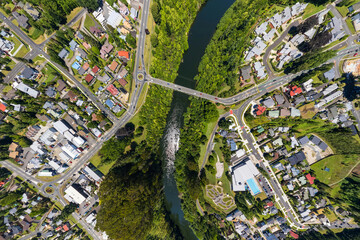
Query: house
x=21 y=19
x=82 y=53
x=294 y=235
x=279 y=99
x=295 y=112
x=260 y=110
x=86 y=45
x=61 y=85
x=104 y=78
x=114 y=66
x=31 y=11
x=50 y=92
x=133 y=13
x=26 y=89
x=73 y=45
x=123 y=73
x=89 y=78
x=3 y=107
x=63 y=53
x=303 y=140
x=113 y=90
x=245 y=72
x=269 y=102
x=86 y=66
x=284 y=112
x=29 y=73
x=330 y=75
x=96 y=31
x=274 y=113
x=105 y=50
x=310 y=178
x=295 y=90
x=6 y=45
x=297 y=158
x=95 y=69
x=71 y=95
x=124 y=54
x=123 y=9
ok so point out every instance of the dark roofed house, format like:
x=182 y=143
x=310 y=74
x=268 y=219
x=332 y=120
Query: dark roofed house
x=315 y=140
x=33 y=12
x=25 y=225
x=297 y=158
x=73 y=45
x=21 y=19
x=355 y=7
x=82 y=53
x=29 y=73
x=330 y=75
x=245 y=72
x=63 y=53
x=303 y=140
x=323 y=146
x=71 y=95
x=79 y=35
x=50 y=92
x=299 y=99
x=81 y=71
x=279 y=99
x=61 y=85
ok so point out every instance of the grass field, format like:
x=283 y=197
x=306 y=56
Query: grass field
x=104 y=168
x=339 y=166
x=88 y=22
x=38 y=60
x=343 y=10
x=308 y=110
x=311 y=9
x=350 y=25
x=16 y=42
x=10 y=65
x=22 y=52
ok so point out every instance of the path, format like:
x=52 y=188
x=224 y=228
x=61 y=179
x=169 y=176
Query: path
x=346 y=174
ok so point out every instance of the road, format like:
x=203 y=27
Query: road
x=273 y=45
x=39 y=51
x=255 y=150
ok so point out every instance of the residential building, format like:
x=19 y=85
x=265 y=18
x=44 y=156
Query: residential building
x=26 y=89
x=75 y=194
x=21 y=19
x=33 y=12
x=63 y=53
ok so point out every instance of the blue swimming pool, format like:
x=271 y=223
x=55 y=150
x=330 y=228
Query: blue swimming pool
x=253 y=186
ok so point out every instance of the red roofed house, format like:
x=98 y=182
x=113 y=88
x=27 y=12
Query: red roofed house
x=295 y=91
x=260 y=110
x=269 y=204
x=113 y=66
x=3 y=107
x=86 y=66
x=124 y=54
x=113 y=90
x=89 y=78
x=66 y=228
x=294 y=235
x=58 y=228
x=95 y=69
x=122 y=82
x=310 y=178
x=86 y=45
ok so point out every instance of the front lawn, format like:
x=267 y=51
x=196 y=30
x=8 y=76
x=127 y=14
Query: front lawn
x=350 y=25
x=104 y=168
x=88 y=22
x=311 y=9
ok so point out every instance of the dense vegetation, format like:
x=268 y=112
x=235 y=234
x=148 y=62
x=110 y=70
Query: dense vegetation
x=309 y=61
x=53 y=13
x=346 y=234
x=132 y=188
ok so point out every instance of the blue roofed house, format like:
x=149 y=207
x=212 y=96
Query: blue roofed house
x=73 y=45
x=109 y=103
x=29 y=73
x=232 y=144
x=76 y=65
x=78 y=58
x=330 y=75
x=63 y=53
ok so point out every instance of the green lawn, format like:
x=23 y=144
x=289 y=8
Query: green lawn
x=22 y=52
x=311 y=9
x=38 y=60
x=73 y=14
x=350 y=25
x=10 y=65
x=35 y=33
x=7 y=88
x=104 y=168
x=16 y=42
x=339 y=166
x=88 y=22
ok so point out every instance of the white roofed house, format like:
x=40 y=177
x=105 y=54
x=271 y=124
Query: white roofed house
x=286 y=15
x=270 y=35
x=95 y=175
x=336 y=27
x=260 y=70
x=275 y=21
x=298 y=8
x=261 y=29
x=70 y=150
x=244 y=177
x=6 y=45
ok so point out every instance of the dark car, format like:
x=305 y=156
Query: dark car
x=147 y=31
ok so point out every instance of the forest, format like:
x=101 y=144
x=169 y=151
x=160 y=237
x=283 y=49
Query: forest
x=137 y=171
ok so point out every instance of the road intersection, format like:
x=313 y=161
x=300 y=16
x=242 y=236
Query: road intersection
x=141 y=77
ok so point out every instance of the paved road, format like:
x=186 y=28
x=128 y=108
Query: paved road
x=246 y=135
x=40 y=51
x=275 y=44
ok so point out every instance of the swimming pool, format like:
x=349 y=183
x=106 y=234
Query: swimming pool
x=253 y=186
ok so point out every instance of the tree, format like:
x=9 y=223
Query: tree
x=90 y=5
x=92 y=124
x=131 y=41
x=155 y=11
x=68 y=210
x=154 y=40
x=224 y=123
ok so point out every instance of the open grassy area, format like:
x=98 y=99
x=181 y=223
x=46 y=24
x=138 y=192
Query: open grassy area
x=22 y=52
x=16 y=42
x=343 y=10
x=308 y=110
x=35 y=33
x=350 y=25
x=311 y=9
x=7 y=88
x=104 y=168
x=38 y=60
x=10 y=65
x=88 y=22
x=147 y=52
x=339 y=167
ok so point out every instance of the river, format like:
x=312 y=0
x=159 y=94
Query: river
x=200 y=35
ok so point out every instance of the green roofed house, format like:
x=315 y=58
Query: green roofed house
x=274 y=113
x=260 y=129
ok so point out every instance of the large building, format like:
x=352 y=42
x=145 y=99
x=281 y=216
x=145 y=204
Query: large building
x=244 y=177
x=75 y=194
